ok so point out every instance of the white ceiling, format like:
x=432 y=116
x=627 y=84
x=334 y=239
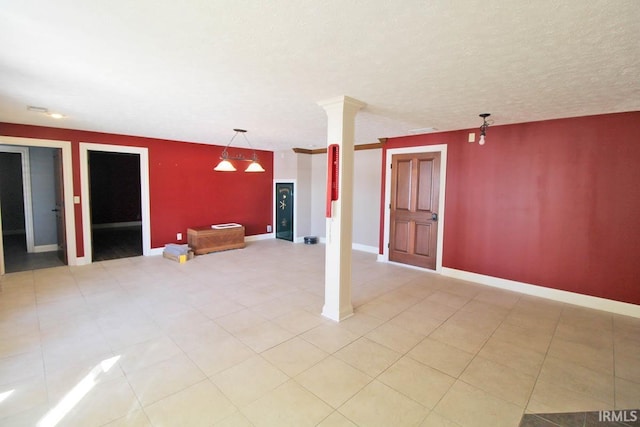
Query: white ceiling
x=192 y=70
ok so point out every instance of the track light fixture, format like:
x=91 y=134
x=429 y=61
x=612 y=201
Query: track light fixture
x=483 y=128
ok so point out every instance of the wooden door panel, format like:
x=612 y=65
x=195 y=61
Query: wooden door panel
x=403 y=189
x=423 y=239
x=415 y=187
x=425 y=190
x=401 y=236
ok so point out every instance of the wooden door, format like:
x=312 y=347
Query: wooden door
x=59 y=208
x=284 y=211
x=415 y=191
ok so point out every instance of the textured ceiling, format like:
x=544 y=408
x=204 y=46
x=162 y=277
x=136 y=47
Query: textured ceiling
x=192 y=70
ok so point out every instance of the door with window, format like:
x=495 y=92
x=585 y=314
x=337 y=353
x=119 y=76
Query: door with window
x=415 y=191
x=284 y=211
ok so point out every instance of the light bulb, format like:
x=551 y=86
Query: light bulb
x=481 y=141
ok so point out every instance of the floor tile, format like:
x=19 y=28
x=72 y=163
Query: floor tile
x=148 y=353
x=216 y=356
x=469 y=406
x=579 y=379
x=294 y=356
x=521 y=359
x=627 y=394
x=333 y=380
x=133 y=419
x=329 y=338
x=202 y=404
x=105 y=402
x=21 y=396
x=499 y=380
x=437 y=420
x=178 y=373
x=367 y=356
x=336 y=419
x=263 y=336
x=552 y=397
x=288 y=405
x=379 y=404
x=249 y=380
x=395 y=337
x=178 y=328
x=421 y=383
x=441 y=356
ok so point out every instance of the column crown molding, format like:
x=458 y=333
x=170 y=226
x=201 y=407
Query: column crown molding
x=342 y=100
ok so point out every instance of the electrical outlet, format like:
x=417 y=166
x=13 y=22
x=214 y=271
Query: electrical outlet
x=179 y=236
x=268 y=228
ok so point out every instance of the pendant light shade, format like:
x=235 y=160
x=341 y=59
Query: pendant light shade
x=226 y=166
x=254 y=167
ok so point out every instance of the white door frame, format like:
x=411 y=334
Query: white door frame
x=143 y=152
x=442 y=149
x=26 y=191
x=67 y=177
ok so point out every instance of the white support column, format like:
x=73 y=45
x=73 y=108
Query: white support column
x=341 y=113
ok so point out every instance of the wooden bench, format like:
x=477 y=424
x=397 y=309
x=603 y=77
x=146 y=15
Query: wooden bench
x=213 y=238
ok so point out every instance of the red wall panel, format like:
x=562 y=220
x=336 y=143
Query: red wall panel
x=552 y=203
x=184 y=190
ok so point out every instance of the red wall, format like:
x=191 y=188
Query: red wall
x=553 y=203
x=184 y=189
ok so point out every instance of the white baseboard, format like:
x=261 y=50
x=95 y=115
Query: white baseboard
x=155 y=251
x=259 y=237
x=45 y=248
x=82 y=260
x=588 y=301
x=364 y=248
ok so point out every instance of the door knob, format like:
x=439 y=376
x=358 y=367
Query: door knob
x=434 y=216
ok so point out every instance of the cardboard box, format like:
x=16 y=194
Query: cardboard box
x=179 y=258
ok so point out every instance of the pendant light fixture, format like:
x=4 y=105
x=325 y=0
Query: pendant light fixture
x=226 y=166
x=483 y=128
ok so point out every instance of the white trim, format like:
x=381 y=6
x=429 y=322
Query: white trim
x=257 y=237
x=364 y=248
x=155 y=251
x=143 y=152
x=26 y=191
x=442 y=149
x=45 y=248
x=295 y=206
x=588 y=301
x=67 y=177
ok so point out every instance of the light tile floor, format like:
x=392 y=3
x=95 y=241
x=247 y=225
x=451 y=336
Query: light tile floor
x=236 y=339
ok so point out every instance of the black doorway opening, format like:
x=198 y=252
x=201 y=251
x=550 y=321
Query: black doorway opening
x=115 y=203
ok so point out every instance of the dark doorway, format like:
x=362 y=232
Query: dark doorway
x=12 y=207
x=115 y=202
x=284 y=211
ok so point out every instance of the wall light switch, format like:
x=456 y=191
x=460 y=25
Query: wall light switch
x=472 y=136
x=76 y=200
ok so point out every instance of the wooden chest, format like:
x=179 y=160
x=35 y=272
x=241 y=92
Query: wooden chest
x=215 y=238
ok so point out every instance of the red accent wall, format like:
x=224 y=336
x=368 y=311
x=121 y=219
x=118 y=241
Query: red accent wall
x=553 y=203
x=184 y=190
